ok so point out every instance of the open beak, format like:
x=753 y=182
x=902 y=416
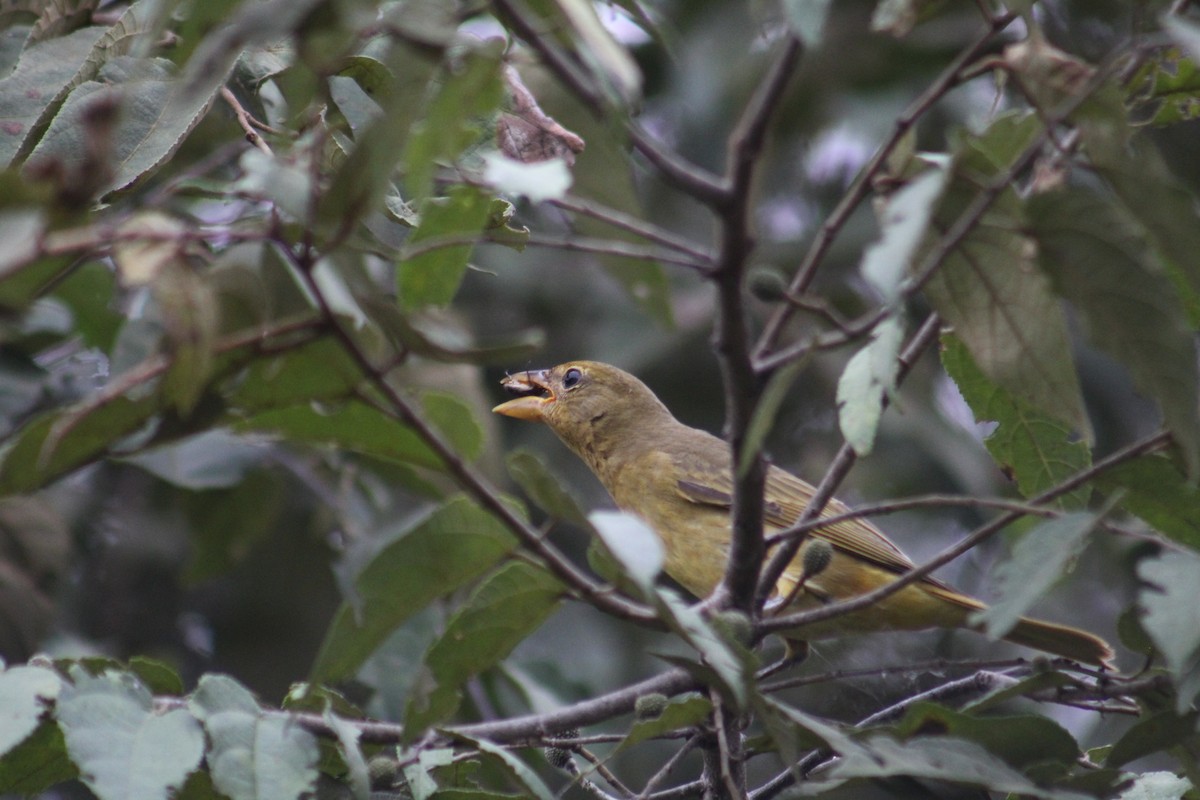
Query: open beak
x=533 y=395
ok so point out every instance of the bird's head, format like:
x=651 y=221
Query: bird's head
x=583 y=401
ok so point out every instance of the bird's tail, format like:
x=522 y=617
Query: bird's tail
x=1061 y=640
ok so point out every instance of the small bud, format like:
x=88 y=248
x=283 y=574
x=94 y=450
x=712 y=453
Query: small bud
x=558 y=758
x=650 y=706
x=817 y=555
x=766 y=284
x=383 y=771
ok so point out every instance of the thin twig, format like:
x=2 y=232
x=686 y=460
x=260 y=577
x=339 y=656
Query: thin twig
x=244 y=119
x=634 y=225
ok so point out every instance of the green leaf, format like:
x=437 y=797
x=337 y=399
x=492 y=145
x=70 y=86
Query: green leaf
x=449 y=548
x=525 y=778
x=37 y=86
x=1101 y=261
x=432 y=277
x=505 y=608
x=456 y=422
x=353 y=426
x=1153 y=734
x=1037 y=450
x=470 y=87
x=544 y=488
x=1169 y=599
x=348 y=735
x=253 y=756
x=730 y=666
x=635 y=547
x=58 y=443
x=157 y=112
x=681 y=712
x=319 y=370
x=122 y=747
x=1156 y=491
x=1039 y=558
x=943 y=758
x=226 y=525
x=24 y=693
x=868 y=378
x=215 y=459
x=37 y=763
x=991 y=290
x=1021 y=740
x=904 y=225
x=765 y=413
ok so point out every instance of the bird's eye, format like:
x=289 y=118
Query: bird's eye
x=572 y=378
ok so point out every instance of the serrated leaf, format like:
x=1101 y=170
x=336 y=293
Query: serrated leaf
x=256 y=757
x=1100 y=261
x=681 y=712
x=433 y=277
x=1038 y=560
x=1038 y=450
x=635 y=547
x=869 y=377
x=216 y=693
x=1169 y=600
x=36 y=86
x=1156 y=490
x=504 y=609
x=24 y=694
x=158 y=112
x=543 y=487
x=992 y=292
x=452 y=546
x=122 y=747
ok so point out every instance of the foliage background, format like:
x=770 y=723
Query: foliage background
x=196 y=471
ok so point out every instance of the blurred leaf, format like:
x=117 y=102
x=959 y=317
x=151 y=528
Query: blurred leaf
x=1184 y=31
x=89 y=291
x=24 y=694
x=731 y=666
x=58 y=443
x=160 y=678
x=806 y=19
x=226 y=525
x=637 y=549
x=215 y=459
x=455 y=420
x=943 y=758
x=253 y=756
x=609 y=61
x=449 y=548
x=544 y=488
x=429 y=333
x=125 y=749
x=1153 y=734
x=353 y=426
x=1039 y=559
x=1039 y=452
x=37 y=763
x=469 y=87
x=1022 y=741
x=1100 y=261
x=538 y=181
x=868 y=378
x=681 y=712
x=1159 y=493
x=318 y=370
x=1166 y=89
x=904 y=224
x=991 y=290
x=432 y=277
x=505 y=608
x=1169 y=599
x=766 y=412
x=525 y=778
x=348 y=735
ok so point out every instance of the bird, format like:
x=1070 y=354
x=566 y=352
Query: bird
x=679 y=481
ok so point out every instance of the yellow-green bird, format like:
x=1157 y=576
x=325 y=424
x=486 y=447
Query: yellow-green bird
x=679 y=481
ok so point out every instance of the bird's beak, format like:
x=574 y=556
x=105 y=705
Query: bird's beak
x=534 y=395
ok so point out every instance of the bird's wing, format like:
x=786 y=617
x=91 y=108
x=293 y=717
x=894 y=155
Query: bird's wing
x=786 y=497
